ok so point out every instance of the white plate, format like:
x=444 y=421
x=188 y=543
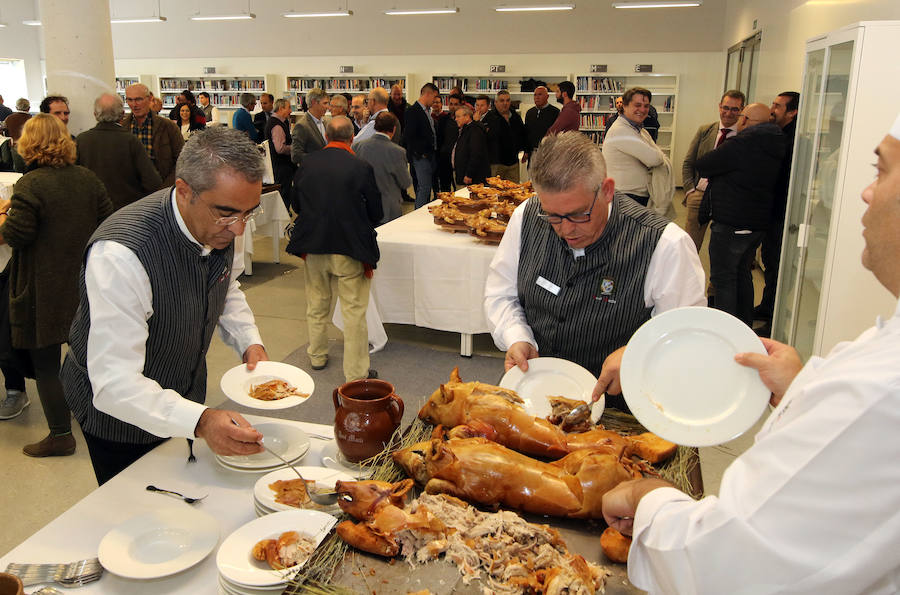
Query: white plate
x=261 y=469
x=230 y=588
x=234 y=559
x=236 y=384
x=552 y=377
x=323 y=476
x=681 y=382
x=333 y=459
x=286 y=440
x=159 y=543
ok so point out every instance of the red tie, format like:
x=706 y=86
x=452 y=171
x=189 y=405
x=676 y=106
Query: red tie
x=724 y=132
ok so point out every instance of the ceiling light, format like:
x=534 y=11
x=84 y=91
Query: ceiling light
x=334 y=13
x=400 y=12
x=32 y=23
x=535 y=8
x=139 y=20
x=2 y=24
x=658 y=4
x=243 y=16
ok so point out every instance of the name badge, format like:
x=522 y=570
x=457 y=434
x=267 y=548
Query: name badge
x=548 y=285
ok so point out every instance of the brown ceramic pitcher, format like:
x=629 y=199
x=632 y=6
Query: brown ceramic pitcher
x=367 y=412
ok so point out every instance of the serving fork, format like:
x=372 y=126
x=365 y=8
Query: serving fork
x=73 y=574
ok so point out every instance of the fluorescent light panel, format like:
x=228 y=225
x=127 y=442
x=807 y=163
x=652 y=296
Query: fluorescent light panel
x=535 y=8
x=658 y=4
x=401 y=12
x=244 y=16
x=138 y=20
x=334 y=13
x=32 y=23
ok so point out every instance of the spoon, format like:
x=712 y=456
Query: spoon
x=182 y=496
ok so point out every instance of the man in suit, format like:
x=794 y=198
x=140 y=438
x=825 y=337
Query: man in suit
x=160 y=136
x=278 y=135
x=708 y=137
x=243 y=120
x=309 y=131
x=470 y=155
x=447 y=133
x=389 y=162
x=359 y=117
x=377 y=103
x=421 y=142
x=117 y=157
x=266 y=102
x=337 y=202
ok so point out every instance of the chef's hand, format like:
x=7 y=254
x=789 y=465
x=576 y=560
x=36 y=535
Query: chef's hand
x=467 y=180
x=620 y=503
x=608 y=381
x=518 y=354
x=225 y=438
x=777 y=369
x=255 y=353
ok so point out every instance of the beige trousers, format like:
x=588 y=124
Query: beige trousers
x=507 y=172
x=692 y=226
x=353 y=291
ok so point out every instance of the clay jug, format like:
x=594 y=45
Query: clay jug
x=10 y=584
x=367 y=412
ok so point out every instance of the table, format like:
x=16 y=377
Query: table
x=432 y=278
x=7 y=180
x=271 y=222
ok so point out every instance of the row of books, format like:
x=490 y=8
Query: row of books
x=445 y=84
x=218 y=99
x=341 y=84
x=596 y=137
x=170 y=84
x=594 y=120
x=596 y=102
x=598 y=84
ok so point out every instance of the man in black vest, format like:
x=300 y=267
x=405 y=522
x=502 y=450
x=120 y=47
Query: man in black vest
x=278 y=135
x=580 y=267
x=157 y=281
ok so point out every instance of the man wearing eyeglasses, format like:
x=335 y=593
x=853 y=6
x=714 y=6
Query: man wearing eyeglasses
x=742 y=173
x=158 y=279
x=581 y=267
x=160 y=136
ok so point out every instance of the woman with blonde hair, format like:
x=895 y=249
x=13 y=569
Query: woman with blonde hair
x=54 y=209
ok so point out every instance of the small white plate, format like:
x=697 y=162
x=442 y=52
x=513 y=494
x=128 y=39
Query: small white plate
x=237 y=381
x=159 y=543
x=324 y=477
x=333 y=459
x=286 y=440
x=552 y=377
x=230 y=588
x=225 y=465
x=235 y=561
x=681 y=382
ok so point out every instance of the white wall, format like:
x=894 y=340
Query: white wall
x=21 y=42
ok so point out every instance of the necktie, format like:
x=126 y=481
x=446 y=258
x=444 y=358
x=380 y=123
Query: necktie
x=722 y=134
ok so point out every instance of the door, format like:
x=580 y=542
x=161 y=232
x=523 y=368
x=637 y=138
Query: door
x=741 y=66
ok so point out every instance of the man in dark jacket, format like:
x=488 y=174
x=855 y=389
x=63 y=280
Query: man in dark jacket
x=538 y=120
x=506 y=137
x=116 y=156
x=338 y=204
x=742 y=173
x=470 y=155
x=160 y=136
x=420 y=139
x=278 y=134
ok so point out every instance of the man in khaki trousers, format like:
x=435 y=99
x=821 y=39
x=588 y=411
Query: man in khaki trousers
x=338 y=204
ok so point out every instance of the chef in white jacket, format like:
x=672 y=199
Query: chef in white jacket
x=814 y=505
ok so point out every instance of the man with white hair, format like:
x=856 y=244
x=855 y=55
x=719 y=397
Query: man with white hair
x=798 y=512
x=309 y=131
x=117 y=157
x=160 y=136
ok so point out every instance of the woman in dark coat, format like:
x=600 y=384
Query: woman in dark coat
x=54 y=209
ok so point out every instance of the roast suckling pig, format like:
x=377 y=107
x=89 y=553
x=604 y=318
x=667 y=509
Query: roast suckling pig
x=477 y=409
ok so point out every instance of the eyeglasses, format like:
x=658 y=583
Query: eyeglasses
x=554 y=219
x=227 y=221
x=733 y=110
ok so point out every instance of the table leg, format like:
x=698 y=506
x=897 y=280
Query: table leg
x=276 y=244
x=465 y=344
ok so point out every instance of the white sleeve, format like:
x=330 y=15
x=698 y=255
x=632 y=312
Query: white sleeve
x=237 y=326
x=675 y=277
x=501 y=295
x=649 y=155
x=120 y=300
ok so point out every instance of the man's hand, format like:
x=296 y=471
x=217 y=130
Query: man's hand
x=608 y=381
x=620 y=503
x=777 y=369
x=223 y=437
x=255 y=353
x=467 y=180
x=518 y=354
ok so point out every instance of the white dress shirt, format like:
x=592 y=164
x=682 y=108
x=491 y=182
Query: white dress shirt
x=368 y=130
x=812 y=507
x=675 y=278
x=121 y=303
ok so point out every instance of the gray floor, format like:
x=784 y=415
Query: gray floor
x=37 y=490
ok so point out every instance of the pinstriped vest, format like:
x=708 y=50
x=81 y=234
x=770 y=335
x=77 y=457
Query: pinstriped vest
x=600 y=303
x=188 y=297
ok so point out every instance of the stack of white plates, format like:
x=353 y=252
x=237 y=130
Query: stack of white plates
x=264 y=498
x=288 y=441
x=241 y=574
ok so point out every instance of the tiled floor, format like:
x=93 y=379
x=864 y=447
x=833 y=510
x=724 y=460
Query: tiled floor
x=37 y=490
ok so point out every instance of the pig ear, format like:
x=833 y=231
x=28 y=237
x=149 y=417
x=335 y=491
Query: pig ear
x=401 y=487
x=454 y=375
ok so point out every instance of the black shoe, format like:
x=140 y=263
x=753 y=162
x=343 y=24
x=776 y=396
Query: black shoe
x=373 y=374
x=321 y=366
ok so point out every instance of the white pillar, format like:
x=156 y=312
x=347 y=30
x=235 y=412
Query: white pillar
x=79 y=55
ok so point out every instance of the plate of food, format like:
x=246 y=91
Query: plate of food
x=549 y=379
x=269 y=550
x=283 y=490
x=159 y=543
x=272 y=385
x=284 y=439
x=681 y=382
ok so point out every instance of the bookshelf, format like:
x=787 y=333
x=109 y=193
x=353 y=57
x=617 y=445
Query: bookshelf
x=298 y=86
x=224 y=91
x=122 y=82
x=489 y=85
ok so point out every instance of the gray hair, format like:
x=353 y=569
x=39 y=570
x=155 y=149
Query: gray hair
x=465 y=109
x=108 y=108
x=339 y=129
x=248 y=100
x=280 y=103
x=565 y=161
x=339 y=100
x=315 y=95
x=378 y=96
x=211 y=151
x=22 y=104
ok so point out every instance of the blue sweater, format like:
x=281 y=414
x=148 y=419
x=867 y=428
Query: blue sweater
x=242 y=120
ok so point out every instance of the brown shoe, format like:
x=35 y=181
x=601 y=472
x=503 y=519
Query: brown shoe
x=52 y=446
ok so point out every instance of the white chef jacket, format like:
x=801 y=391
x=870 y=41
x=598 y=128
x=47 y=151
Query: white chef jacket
x=675 y=278
x=121 y=302
x=812 y=507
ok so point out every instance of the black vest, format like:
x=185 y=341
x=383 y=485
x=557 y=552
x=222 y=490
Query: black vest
x=189 y=293
x=278 y=160
x=600 y=302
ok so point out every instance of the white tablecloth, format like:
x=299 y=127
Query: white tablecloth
x=7 y=180
x=76 y=533
x=271 y=222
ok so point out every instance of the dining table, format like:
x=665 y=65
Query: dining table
x=271 y=222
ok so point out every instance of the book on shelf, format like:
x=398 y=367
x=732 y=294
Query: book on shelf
x=446 y=84
x=594 y=121
x=596 y=103
x=603 y=84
